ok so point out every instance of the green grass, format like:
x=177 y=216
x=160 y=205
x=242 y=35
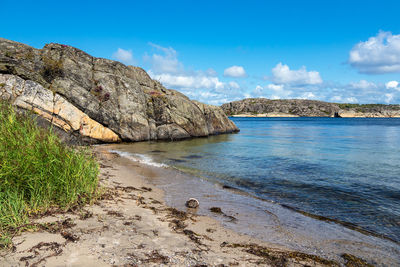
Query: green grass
x=38 y=173
x=368 y=107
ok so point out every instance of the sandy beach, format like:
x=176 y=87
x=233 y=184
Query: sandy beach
x=132 y=226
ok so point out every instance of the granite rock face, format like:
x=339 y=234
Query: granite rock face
x=29 y=95
x=262 y=107
x=101 y=99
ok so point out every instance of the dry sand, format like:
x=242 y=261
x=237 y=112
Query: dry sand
x=131 y=226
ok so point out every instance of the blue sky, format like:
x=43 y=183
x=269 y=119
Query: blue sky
x=219 y=51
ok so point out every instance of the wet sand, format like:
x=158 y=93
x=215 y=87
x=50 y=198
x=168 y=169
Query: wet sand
x=132 y=226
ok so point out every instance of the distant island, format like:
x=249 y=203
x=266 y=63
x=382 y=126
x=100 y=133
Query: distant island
x=263 y=107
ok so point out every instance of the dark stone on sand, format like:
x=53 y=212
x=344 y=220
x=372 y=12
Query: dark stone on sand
x=192 y=203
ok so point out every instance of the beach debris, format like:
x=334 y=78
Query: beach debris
x=27 y=258
x=115 y=213
x=70 y=236
x=181 y=215
x=148 y=189
x=192 y=203
x=216 y=210
x=55 y=227
x=154 y=201
x=140 y=200
x=39 y=249
x=177 y=225
x=85 y=215
x=192 y=236
x=230 y=218
x=156 y=257
x=219 y=211
x=273 y=257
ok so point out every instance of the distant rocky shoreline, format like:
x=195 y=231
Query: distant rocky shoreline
x=262 y=107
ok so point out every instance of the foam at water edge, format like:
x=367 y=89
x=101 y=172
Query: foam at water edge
x=144 y=159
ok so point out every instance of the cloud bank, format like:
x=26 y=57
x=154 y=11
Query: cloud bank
x=281 y=74
x=204 y=86
x=281 y=82
x=379 y=54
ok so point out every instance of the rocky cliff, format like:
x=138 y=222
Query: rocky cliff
x=100 y=100
x=306 y=108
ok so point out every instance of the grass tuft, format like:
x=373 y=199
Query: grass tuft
x=38 y=173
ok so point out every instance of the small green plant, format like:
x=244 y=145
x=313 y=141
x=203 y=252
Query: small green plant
x=348 y=106
x=38 y=173
x=52 y=68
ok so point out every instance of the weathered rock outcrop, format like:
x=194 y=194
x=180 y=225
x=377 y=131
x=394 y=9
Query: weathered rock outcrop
x=287 y=107
x=100 y=99
x=262 y=107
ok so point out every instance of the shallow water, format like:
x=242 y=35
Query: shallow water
x=345 y=170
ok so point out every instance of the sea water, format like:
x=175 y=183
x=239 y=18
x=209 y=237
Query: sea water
x=344 y=171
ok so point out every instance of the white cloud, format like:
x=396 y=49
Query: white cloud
x=272 y=91
x=308 y=95
x=125 y=56
x=258 y=91
x=275 y=97
x=166 y=68
x=165 y=62
x=380 y=54
x=389 y=98
x=235 y=71
x=281 y=74
x=363 y=84
x=353 y=92
x=234 y=85
x=204 y=86
x=211 y=72
x=362 y=92
x=213 y=97
x=392 y=85
x=187 y=81
x=275 y=87
x=341 y=99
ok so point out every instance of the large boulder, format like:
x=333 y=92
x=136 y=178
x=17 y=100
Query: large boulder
x=101 y=99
